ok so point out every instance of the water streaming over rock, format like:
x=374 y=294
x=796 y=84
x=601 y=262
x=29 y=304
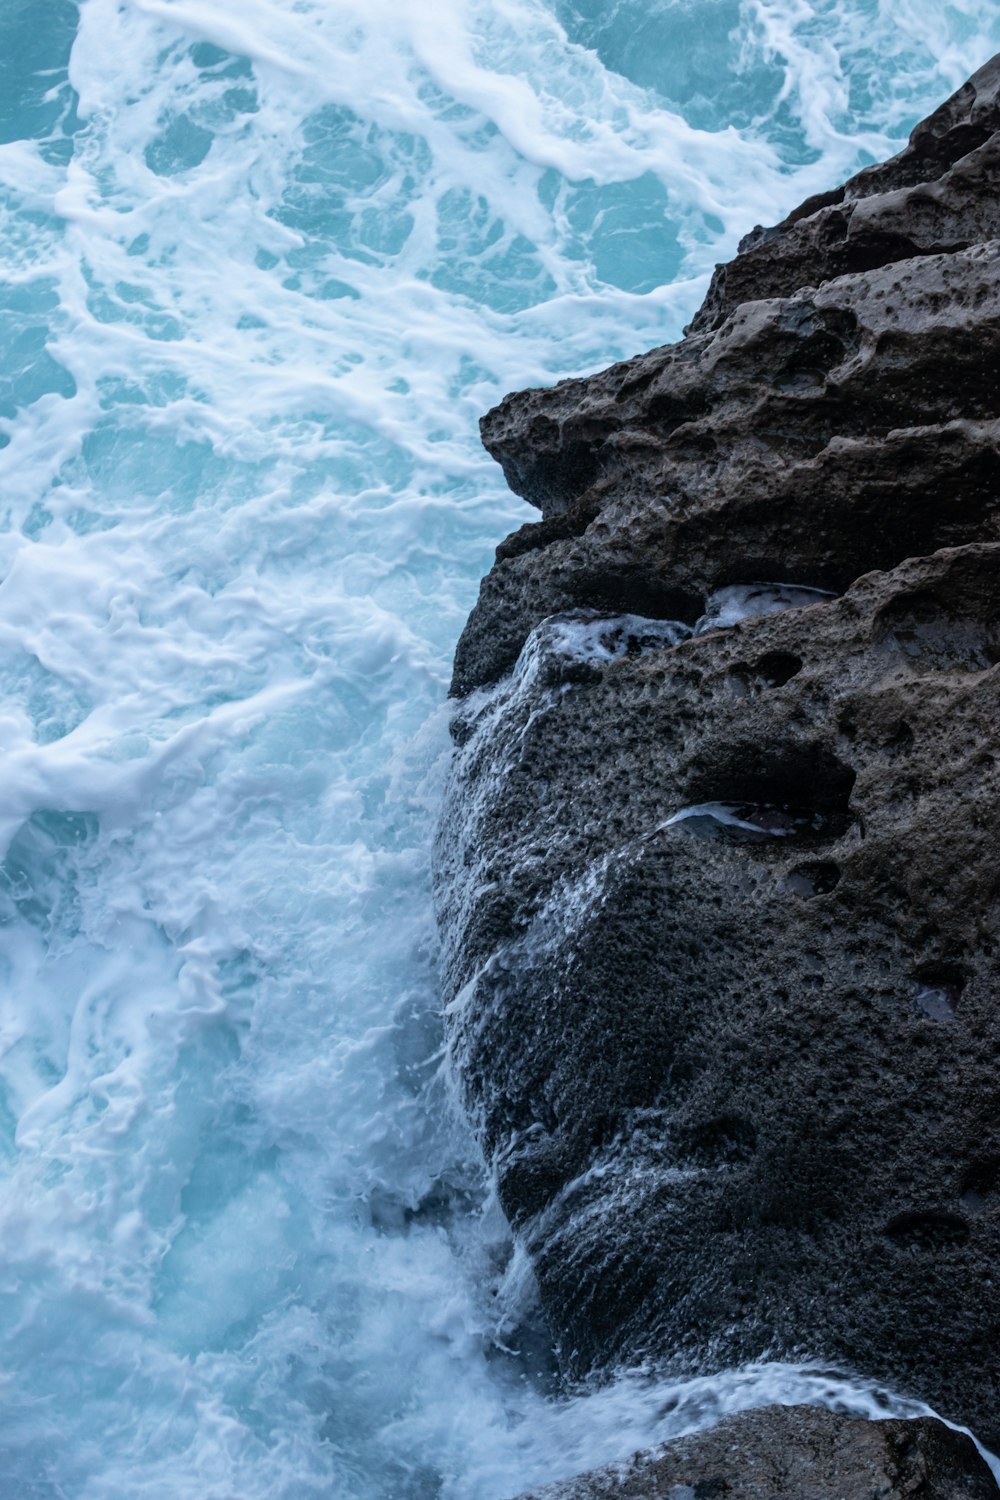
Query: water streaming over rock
x=263 y=268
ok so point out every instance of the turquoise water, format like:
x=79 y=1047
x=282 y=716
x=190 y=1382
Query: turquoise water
x=264 y=266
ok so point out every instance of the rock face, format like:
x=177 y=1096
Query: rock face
x=720 y=907
x=797 y=1453
x=841 y=421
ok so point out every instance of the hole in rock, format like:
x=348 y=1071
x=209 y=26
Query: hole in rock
x=900 y=739
x=824 y=338
x=800 y=793
x=872 y=507
x=555 y=480
x=814 y=877
x=635 y=593
x=754 y=823
x=980 y=1183
x=935 y=1229
x=746 y=601
x=937 y=990
x=800 y=379
x=778 y=667
x=833 y=231
x=771 y=671
x=635 y=386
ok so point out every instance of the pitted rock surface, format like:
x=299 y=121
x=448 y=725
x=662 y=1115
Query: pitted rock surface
x=797 y=1453
x=812 y=433
x=933 y=197
x=720 y=910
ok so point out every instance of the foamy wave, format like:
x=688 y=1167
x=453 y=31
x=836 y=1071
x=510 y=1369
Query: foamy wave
x=267 y=265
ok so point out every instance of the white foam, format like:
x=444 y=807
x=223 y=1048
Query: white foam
x=765 y=821
x=244 y=515
x=745 y=601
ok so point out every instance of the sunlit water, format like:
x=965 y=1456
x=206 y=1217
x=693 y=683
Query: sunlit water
x=266 y=263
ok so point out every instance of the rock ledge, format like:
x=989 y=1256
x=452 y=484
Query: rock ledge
x=796 y=1453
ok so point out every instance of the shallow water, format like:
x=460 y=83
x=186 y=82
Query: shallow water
x=264 y=267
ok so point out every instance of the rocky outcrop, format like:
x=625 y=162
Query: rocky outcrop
x=796 y=1453
x=719 y=869
x=810 y=434
x=934 y=198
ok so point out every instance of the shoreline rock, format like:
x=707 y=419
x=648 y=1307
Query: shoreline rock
x=720 y=907
x=796 y=1453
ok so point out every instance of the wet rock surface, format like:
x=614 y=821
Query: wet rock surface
x=796 y=1453
x=720 y=905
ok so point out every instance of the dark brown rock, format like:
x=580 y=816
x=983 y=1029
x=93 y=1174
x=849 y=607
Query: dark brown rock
x=811 y=362
x=812 y=438
x=738 y=1072
x=796 y=1453
x=702 y=1060
x=932 y=197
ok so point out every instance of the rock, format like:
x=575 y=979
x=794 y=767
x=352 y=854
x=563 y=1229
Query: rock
x=834 y=397
x=721 y=909
x=933 y=197
x=800 y=1453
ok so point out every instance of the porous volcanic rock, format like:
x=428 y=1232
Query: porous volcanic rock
x=835 y=424
x=796 y=1453
x=720 y=908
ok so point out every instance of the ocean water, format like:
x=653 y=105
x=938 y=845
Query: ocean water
x=264 y=264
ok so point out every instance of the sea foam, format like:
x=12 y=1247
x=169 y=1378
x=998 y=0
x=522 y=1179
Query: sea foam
x=264 y=267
